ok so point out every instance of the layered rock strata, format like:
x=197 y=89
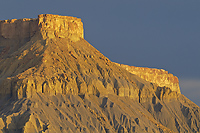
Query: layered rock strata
x=18 y=28
x=48 y=25
x=159 y=76
x=60 y=26
x=46 y=67
x=56 y=59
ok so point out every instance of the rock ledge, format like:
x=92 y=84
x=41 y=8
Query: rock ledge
x=48 y=25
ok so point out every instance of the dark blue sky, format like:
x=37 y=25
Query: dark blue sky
x=149 y=33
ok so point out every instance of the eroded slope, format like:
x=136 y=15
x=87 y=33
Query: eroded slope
x=54 y=80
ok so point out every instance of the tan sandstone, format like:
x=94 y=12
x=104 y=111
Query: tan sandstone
x=159 y=76
x=52 y=80
x=48 y=25
x=56 y=59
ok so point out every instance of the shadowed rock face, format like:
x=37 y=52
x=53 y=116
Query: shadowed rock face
x=18 y=29
x=53 y=80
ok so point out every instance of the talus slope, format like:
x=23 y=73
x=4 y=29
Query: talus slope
x=55 y=81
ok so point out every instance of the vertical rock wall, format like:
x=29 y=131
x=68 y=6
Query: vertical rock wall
x=48 y=25
x=18 y=29
x=159 y=76
x=60 y=26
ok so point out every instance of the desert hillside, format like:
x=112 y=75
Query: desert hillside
x=53 y=80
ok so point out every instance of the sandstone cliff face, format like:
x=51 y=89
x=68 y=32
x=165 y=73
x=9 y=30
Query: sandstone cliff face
x=18 y=29
x=60 y=26
x=48 y=68
x=48 y=25
x=56 y=59
x=159 y=76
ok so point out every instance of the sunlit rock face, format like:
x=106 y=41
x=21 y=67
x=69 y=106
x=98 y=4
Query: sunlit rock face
x=53 y=80
x=49 y=55
x=159 y=76
x=60 y=26
x=48 y=25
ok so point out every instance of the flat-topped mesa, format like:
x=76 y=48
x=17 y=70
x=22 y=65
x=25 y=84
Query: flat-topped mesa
x=18 y=28
x=48 y=25
x=60 y=26
x=159 y=76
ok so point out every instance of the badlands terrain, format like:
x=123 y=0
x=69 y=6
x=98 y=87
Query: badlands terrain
x=54 y=81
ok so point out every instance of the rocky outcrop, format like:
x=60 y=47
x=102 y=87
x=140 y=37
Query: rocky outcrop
x=18 y=28
x=62 y=67
x=159 y=76
x=48 y=25
x=60 y=26
x=57 y=60
x=49 y=68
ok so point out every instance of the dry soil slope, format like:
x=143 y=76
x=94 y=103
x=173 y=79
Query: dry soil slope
x=57 y=84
